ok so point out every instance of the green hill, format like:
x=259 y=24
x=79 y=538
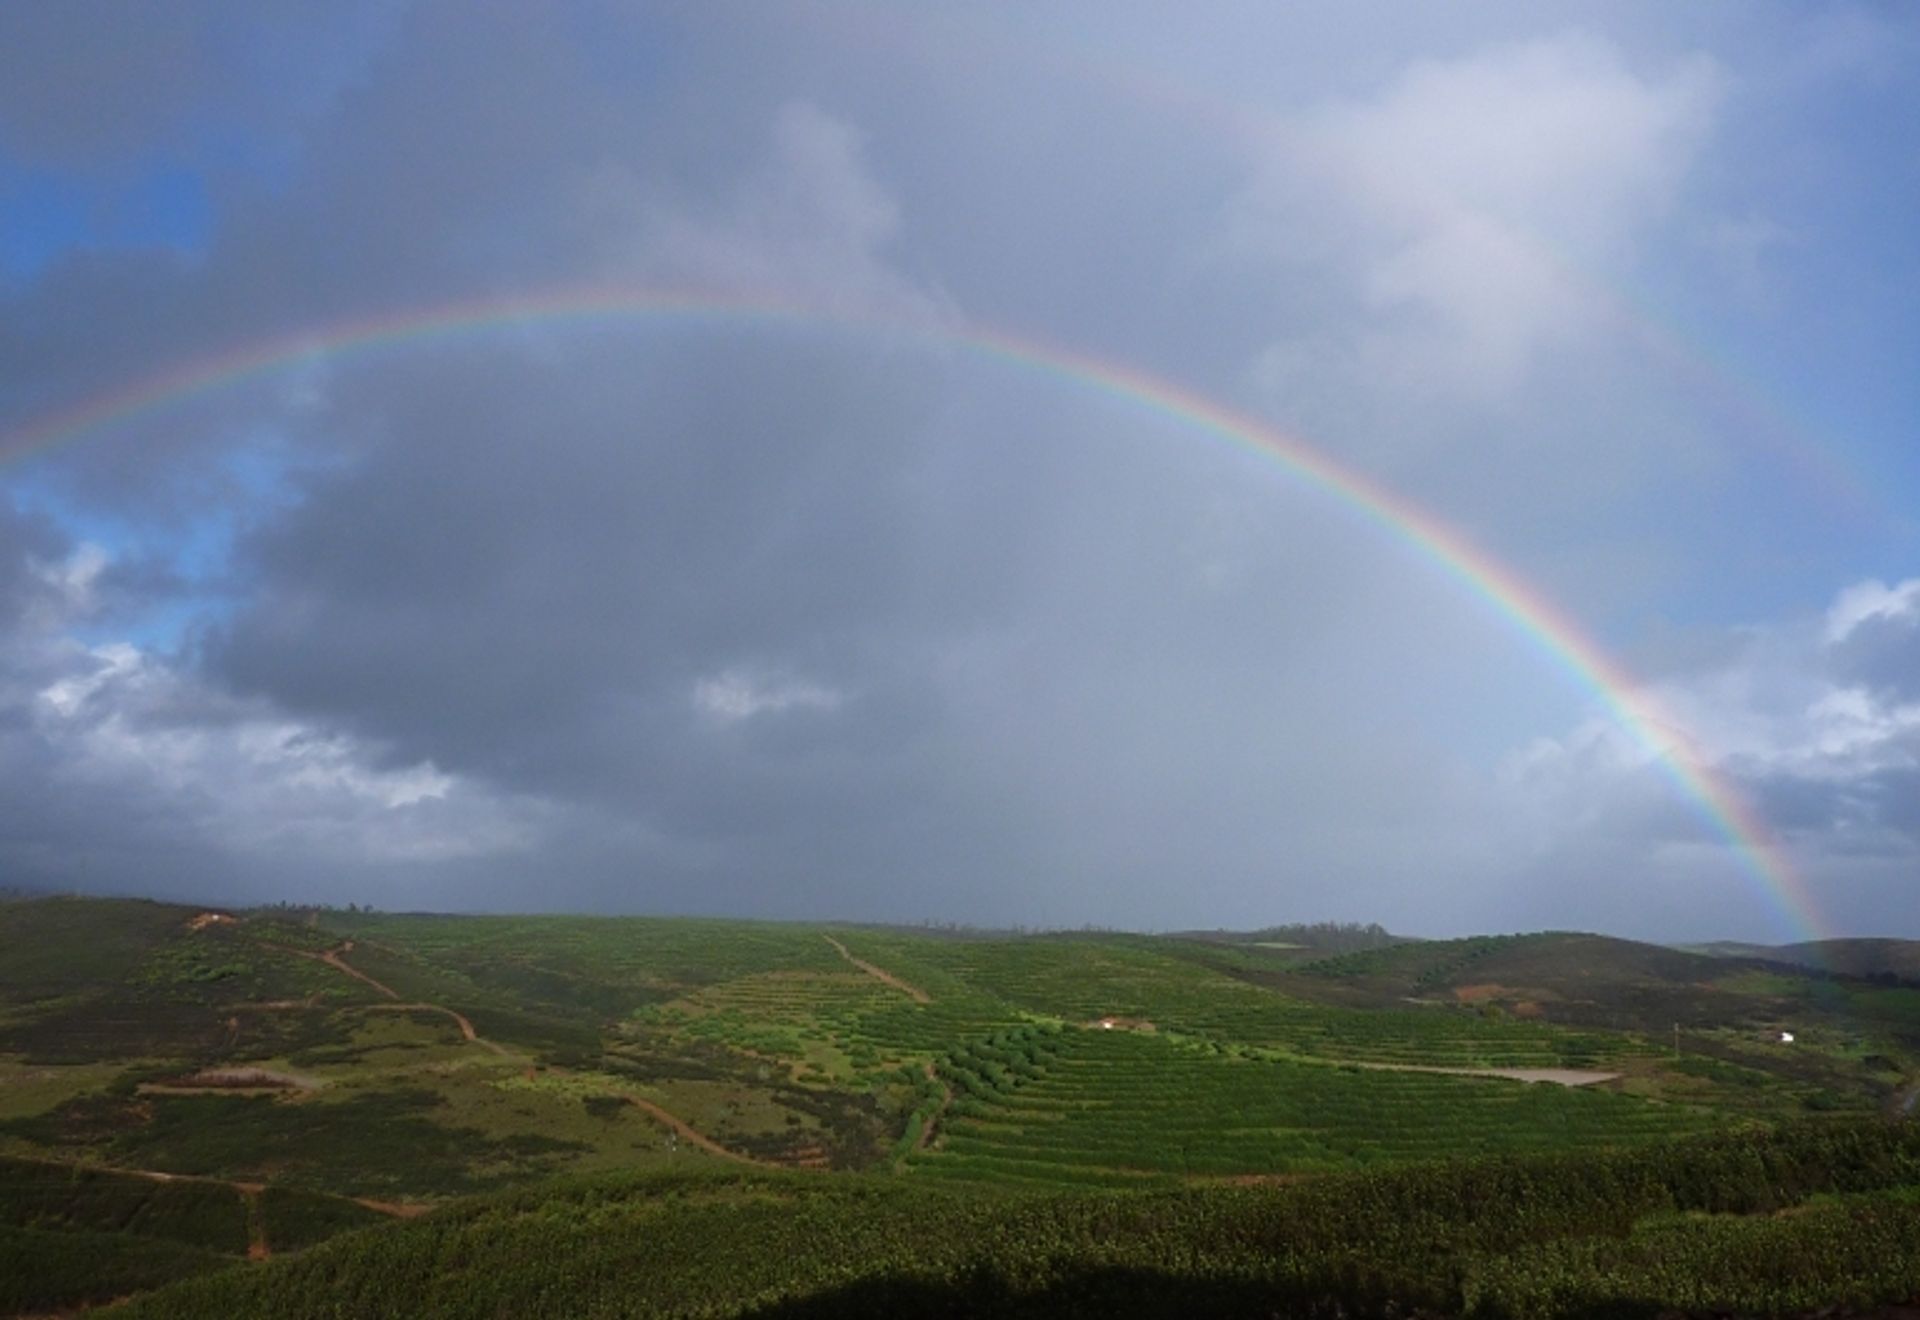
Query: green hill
x=1896 y=959
x=1694 y=1225
x=235 y=1084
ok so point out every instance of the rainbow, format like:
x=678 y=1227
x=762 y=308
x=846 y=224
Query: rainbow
x=1497 y=586
x=1711 y=376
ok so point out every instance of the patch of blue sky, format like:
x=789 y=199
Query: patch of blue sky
x=194 y=555
x=47 y=214
x=162 y=628
x=196 y=551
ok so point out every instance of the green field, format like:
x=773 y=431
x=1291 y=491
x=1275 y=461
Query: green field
x=216 y=1100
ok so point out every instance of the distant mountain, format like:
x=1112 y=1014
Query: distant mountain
x=1322 y=937
x=1733 y=949
x=1867 y=958
x=1555 y=976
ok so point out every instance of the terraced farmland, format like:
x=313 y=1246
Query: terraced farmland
x=1119 y=1108
x=440 y=1058
x=1084 y=979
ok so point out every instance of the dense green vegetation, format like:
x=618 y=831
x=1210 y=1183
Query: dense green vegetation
x=43 y=1271
x=1110 y=1107
x=49 y=1196
x=904 y=1120
x=71 y=1234
x=372 y=1143
x=1694 y=1224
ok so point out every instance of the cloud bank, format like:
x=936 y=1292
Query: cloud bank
x=825 y=616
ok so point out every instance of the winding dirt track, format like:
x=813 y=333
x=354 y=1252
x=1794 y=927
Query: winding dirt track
x=332 y=958
x=249 y=1192
x=257 y=1246
x=698 y=1138
x=933 y=1121
x=460 y=1020
x=881 y=974
x=335 y=958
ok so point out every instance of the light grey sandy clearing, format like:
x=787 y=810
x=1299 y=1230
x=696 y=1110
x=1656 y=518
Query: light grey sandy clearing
x=1557 y=1076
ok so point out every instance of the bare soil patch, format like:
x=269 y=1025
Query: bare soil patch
x=1478 y=994
x=1112 y=1023
x=233 y=1081
x=398 y=1209
x=258 y=1247
x=1553 y=1076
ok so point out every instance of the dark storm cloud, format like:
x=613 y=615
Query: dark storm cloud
x=771 y=624
x=531 y=555
x=722 y=615
x=27 y=546
x=1873 y=814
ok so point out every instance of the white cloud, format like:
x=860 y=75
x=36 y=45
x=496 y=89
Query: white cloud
x=1463 y=215
x=734 y=695
x=1781 y=714
x=250 y=778
x=1871 y=600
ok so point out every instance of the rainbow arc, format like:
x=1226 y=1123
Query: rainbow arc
x=1550 y=629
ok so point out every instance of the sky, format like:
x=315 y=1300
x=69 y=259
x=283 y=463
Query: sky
x=848 y=562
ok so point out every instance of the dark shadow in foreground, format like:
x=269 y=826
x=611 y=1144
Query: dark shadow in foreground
x=1109 y=1292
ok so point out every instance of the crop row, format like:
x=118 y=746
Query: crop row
x=1139 y=1103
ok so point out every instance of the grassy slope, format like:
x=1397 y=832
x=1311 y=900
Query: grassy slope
x=70 y=1236
x=1853 y=1035
x=85 y=980
x=767 y=1040
x=1863 y=957
x=1514 y=1236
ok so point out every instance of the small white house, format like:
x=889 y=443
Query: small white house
x=1786 y=1038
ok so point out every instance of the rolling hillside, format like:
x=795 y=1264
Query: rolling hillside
x=189 y=1092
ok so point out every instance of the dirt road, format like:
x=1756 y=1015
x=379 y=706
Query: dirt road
x=460 y=1020
x=700 y=1139
x=933 y=1120
x=258 y=1248
x=1554 y=1076
x=881 y=974
x=335 y=958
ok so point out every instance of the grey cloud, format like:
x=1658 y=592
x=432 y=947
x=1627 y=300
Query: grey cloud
x=1882 y=653
x=727 y=614
x=1809 y=722
x=27 y=545
x=87 y=77
x=96 y=83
